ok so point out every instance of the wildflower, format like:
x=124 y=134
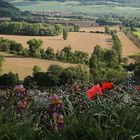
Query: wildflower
x=20 y=89
x=55 y=103
x=138 y=88
x=58 y=120
x=91 y=93
x=22 y=105
x=107 y=86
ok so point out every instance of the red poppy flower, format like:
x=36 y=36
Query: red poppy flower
x=91 y=93
x=107 y=86
x=138 y=88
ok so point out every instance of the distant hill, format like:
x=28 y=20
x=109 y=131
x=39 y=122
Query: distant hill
x=135 y=3
x=7 y=9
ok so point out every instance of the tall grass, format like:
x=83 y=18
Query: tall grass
x=113 y=116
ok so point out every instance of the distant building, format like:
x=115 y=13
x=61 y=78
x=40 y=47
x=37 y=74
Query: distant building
x=2 y=19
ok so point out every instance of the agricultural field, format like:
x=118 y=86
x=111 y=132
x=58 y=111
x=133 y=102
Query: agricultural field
x=78 y=41
x=137 y=33
x=23 y=66
x=135 y=57
x=100 y=28
x=92 y=9
x=83 y=41
x=129 y=48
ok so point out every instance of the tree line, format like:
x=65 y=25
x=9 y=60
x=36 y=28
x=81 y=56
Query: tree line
x=35 y=50
x=54 y=76
x=103 y=66
x=34 y=29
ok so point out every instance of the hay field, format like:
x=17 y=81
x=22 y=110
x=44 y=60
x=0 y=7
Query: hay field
x=23 y=66
x=99 y=28
x=129 y=48
x=78 y=41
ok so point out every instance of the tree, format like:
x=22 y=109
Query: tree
x=54 y=72
x=67 y=50
x=1 y=61
x=50 y=53
x=17 y=47
x=96 y=57
x=110 y=58
x=4 y=46
x=137 y=71
x=34 y=45
x=65 y=34
x=58 y=29
x=107 y=30
x=36 y=69
x=76 y=28
x=41 y=79
x=68 y=75
x=9 y=80
x=29 y=81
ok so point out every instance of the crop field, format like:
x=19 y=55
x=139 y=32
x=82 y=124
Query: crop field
x=78 y=8
x=137 y=33
x=129 y=48
x=78 y=41
x=83 y=41
x=23 y=66
x=135 y=57
x=100 y=28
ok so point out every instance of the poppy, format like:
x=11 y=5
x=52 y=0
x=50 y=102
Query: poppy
x=138 y=88
x=91 y=93
x=107 y=86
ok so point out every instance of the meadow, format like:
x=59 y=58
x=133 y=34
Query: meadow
x=78 y=41
x=79 y=8
x=114 y=115
x=24 y=65
x=137 y=32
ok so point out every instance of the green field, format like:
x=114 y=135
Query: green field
x=138 y=29
x=137 y=33
x=135 y=57
x=78 y=8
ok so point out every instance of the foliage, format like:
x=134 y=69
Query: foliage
x=57 y=76
x=107 y=30
x=32 y=29
x=34 y=46
x=65 y=34
x=115 y=115
x=1 y=62
x=105 y=65
x=36 y=69
x=9 y=80
x=7 y=45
